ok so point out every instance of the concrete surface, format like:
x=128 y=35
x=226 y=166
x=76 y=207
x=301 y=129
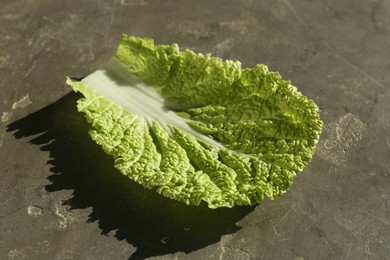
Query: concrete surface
x=60 y=197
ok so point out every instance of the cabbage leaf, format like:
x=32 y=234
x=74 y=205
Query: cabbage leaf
x=196 y=128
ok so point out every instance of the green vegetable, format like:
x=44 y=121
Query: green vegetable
x=197 y=128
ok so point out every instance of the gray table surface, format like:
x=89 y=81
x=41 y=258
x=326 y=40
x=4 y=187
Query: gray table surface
x=60 y=198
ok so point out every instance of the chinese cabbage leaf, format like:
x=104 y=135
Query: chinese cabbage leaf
x=197 y=128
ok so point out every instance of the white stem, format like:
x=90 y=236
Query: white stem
x=117 y=84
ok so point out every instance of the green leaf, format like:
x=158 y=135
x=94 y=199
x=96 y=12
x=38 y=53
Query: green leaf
x=197 y=128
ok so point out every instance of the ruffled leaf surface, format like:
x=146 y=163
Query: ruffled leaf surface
x=250 y=134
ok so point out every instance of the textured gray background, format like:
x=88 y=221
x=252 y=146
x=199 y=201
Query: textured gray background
x=60 y=197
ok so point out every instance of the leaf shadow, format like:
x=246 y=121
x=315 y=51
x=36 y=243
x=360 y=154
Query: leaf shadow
x=151 y=223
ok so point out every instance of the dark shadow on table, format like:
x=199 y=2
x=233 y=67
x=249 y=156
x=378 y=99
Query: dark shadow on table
x=153 y=224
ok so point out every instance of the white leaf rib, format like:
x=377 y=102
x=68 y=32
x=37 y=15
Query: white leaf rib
x=118 y=85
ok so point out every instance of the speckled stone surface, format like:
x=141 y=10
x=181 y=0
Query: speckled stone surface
x=60 y=197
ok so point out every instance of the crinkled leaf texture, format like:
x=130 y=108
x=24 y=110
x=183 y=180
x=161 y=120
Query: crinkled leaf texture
x=196 y=128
